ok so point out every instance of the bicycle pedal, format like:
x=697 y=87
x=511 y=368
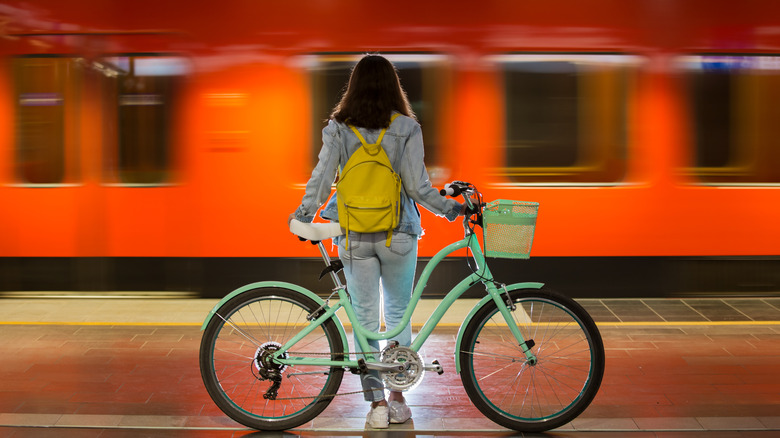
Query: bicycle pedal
x=434 y=366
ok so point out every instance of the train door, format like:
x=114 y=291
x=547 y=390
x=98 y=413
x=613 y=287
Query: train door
x=43 y=179
x=140 y=158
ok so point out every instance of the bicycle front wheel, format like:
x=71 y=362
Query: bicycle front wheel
x=238 y=369
x=532 y=396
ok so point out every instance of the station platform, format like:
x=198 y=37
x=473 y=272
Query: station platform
x=128 y=367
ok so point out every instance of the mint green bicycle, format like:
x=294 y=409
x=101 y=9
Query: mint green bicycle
x=273 y=354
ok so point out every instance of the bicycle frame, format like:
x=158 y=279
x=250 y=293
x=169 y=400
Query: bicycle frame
x=362 y=335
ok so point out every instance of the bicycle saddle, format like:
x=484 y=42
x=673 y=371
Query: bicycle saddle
x=315 y=231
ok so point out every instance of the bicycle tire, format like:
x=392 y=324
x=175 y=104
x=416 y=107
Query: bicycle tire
x=235 y=366
x=532 y=397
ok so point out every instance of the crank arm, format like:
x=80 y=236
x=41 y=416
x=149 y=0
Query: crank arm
x=386 y=367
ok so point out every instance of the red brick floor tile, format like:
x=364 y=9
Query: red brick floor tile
x=114 y=397
x=32 y=405
x=10 y=401
x=63 y=386
x=761 y=374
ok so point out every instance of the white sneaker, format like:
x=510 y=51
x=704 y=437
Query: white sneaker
x=377 y=417
x=399 y=412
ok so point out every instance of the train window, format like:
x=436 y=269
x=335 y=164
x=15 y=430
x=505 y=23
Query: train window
x=734 y=117
x=141 y=93
x=46 y=94
x=423 y=76
x=566 y=117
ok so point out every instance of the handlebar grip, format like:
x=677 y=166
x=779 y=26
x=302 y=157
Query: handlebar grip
x=450 y=190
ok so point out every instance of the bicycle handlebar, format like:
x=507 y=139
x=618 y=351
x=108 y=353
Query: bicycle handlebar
x=460 y=188
x=466 y=190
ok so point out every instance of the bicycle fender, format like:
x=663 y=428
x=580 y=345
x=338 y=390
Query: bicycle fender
x=281 y=285
x=484 y=301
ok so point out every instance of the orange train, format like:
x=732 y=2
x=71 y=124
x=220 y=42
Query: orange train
x=160 y=146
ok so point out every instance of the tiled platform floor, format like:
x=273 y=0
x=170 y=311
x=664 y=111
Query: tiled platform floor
x=128 y=367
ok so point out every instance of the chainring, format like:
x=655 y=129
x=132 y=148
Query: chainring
x=403 y=380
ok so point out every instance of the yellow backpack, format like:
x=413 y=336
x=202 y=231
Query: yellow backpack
x=369 y=190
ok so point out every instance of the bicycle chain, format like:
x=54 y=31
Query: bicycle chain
x=327 y=395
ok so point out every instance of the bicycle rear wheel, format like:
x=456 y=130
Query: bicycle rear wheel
x=532 y=397
x=240 y=374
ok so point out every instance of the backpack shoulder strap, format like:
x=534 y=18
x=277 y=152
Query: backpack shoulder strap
x=381 y=134
x=360 y=136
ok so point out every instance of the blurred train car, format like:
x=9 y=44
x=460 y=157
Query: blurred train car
x=160 y=146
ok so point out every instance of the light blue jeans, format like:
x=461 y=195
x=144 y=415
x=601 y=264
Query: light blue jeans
x=368 y=262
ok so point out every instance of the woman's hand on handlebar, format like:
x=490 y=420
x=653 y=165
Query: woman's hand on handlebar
x=469 y=193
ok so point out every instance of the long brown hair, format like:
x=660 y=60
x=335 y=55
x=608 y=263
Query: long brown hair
x=373 y=93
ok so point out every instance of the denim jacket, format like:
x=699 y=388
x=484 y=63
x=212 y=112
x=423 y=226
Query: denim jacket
x=403 y=144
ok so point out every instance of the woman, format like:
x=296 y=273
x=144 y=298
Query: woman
x=373 y=95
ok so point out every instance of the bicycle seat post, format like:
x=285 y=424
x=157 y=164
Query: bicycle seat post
x=325 y=257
